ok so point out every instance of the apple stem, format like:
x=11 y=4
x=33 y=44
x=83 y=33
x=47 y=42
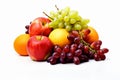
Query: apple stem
x=56 y=7
x=48 y=16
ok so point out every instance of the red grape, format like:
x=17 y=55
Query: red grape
x=105 y=50
x=66 y=48
x=57 y=49
x=78 y=52
x=63 y=55
x=69 y=55
x=80 y=46
x=75 y=33
x=76 y=60
x=56 y=55
x=77 y=40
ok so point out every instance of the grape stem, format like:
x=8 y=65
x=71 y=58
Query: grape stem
x=85 y=43
x=56 y=7
x=48 y=16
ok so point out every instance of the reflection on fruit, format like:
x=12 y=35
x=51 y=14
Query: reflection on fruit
x=39 y=47
x=59 y=37
x=20 y=44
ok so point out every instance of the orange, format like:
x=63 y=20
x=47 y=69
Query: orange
x=20 y=44
x=59 y=37
x=93 y=35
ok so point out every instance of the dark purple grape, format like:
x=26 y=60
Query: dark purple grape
x=80 y=46
x=53 y=61
x=56 y=55
x=63 y=55
x=97 y=47
x=76 y=60
x=85 y=34
x=66 y=48
x=91 y=54
x=62 y=60
x=97 y=57
x=78 y=52
x=84 y=58
x=103 y=57
x=48 y=59
x=105 y=50
x=96 y=44
x=69 y=55
x=100 y=51
x=75 y=33
x=73 y=48
x=77 y=40
x=27 y=27
x=57 y=49
x=71 y=37
x=27 y=32
x=69 y=60
x=99 y=42
x=86 y=49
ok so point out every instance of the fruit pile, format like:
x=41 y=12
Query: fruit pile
x=63 y=37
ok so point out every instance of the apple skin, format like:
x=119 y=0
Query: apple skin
x=39 y=47
x=39 y=26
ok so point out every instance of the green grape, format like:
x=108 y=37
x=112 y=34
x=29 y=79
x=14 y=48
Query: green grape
x=73 y=14
x=60 y=17
x=52 y=24
x=66 y=18
x=67 y=9
x=85 y=21
x=56 y=21
x=77 y=26
x=64 y=13
x=59 y=11
x=72 y=21
x=78 y=18
x=66 y=23
x=61 y=25
x=52 y=14
x=68 y=27
x=84 y=26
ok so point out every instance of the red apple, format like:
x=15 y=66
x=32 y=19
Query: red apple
x=39 y=26
x=39 y=47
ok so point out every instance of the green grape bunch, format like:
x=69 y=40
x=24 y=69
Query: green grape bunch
x=68 y=19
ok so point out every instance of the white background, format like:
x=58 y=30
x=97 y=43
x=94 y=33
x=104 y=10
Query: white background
x=104 y=16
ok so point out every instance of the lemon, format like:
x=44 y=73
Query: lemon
x=59 y=37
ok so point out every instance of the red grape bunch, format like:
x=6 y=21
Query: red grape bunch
x=78 y=51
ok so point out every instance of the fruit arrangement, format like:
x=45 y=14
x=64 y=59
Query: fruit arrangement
x=60 y=37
